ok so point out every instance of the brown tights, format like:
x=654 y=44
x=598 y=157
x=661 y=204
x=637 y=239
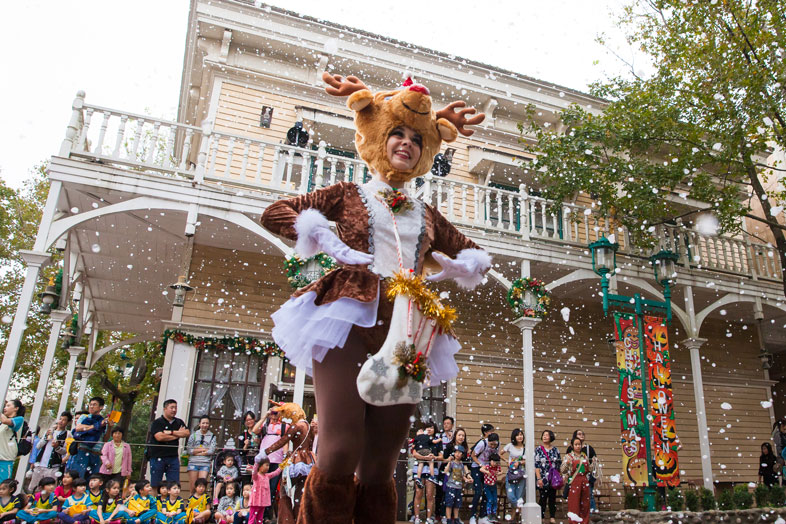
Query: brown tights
x=355 y=437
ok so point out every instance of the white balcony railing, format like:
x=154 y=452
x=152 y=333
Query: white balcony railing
x=143 y=143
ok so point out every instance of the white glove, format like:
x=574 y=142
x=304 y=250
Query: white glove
x=333 y=246
x=452 y=268
x=260 y=456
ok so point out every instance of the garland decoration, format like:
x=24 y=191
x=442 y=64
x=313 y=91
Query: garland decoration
x=427 y=301
x=516 y=297
x=411 y=363
x=248 y=345
x=294 y=266
x=396 y=200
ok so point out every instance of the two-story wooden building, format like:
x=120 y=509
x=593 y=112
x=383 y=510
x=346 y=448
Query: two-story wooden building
x=137 y=202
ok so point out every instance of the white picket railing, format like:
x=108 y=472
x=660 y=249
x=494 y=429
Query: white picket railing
x=144 y=143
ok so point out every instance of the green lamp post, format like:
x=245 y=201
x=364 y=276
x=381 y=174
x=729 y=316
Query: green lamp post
x=604 y=263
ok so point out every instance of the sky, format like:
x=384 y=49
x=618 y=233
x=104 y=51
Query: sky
x=129 y=55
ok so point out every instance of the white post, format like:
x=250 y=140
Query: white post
x=80 y=398
x=57 y=318
x=531 y=510
x=300 y=386
x=72 y=131
x=74 y=352
x=34 y=260
x=693 y=344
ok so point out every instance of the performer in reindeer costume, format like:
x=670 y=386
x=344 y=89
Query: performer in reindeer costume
x=376 y=303
x=298 y=463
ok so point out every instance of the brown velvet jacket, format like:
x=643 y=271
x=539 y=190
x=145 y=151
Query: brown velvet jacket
x=344 y=204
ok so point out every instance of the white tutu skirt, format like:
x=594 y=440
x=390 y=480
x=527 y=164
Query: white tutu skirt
x=306 y=332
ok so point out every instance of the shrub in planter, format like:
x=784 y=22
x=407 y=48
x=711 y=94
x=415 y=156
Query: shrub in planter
x=675 y=500
x=707 y=499
x=692 y=500
x=630 y=500
x=743 y=498
x=726 y=500
x=762 y=495
x=777 y=496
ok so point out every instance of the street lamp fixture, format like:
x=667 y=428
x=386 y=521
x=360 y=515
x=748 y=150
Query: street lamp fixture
x=604 y=262
x=181 y=287
x=49 y=297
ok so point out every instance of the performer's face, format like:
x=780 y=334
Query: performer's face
x=403 y=148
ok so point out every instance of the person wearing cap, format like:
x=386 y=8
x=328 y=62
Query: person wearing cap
x=456 y=474
x=330 y=326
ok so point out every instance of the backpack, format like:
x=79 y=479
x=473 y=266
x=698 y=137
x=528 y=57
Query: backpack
x=23 y=446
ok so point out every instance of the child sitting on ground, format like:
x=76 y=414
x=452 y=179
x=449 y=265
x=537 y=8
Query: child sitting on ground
x=10 y=504
x=491 y=475
x=426 y=445
x=163 y=496
x=66 y=488
x=260 y=493
x=229 y=503
x=43 y=505
x=111 y=508
x=241 y=515
x=76 y=507
x=457 y=473
x=173 y=509
x=94 y=492
x=226 y=473
x=142 y=506
x=198 y=510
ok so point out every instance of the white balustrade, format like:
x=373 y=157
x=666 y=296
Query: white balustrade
x=144 y=143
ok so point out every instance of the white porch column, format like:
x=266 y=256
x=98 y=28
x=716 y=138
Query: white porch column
x=74 y=352
x=531 y=510
x=34 y=260
x=693 y=344
x=300 y=386
x=178 y=377
x=57 y=317
x=84 y=374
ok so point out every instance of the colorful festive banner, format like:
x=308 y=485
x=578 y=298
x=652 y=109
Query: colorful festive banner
x=634 y=451
x=664 y=433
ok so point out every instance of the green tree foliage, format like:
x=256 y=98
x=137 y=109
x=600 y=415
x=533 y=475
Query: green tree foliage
x=20 y=214
x=743 y=498
x=692 y=500
x=707 y=499
x=700 y=127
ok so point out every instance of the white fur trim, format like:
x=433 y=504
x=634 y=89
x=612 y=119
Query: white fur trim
x=481 y=262
x=307 y=221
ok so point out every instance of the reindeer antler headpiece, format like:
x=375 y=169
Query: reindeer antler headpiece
x=289 y=410
x=376 y=115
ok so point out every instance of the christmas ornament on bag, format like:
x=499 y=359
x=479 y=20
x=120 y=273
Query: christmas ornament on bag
x=399 y=371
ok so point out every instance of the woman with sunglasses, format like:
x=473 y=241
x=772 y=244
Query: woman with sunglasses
x=200 y=448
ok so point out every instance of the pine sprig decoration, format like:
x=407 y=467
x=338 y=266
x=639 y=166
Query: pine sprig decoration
x=294 y=267
x=247 y=345
x=516 y=297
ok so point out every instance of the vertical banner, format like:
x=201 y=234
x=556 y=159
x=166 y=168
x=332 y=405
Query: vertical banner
x=632 y=417
x=661 y=403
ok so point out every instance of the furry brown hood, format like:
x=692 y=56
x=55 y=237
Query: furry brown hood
x=376 y=115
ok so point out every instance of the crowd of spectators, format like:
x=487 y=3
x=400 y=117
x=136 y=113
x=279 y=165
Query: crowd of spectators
x=447 y=469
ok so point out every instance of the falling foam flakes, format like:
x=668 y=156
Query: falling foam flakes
x=615 y=478
x=95 y=248
x=565 y=314
x=726 y=406
x=766 y=404
x=7 y=319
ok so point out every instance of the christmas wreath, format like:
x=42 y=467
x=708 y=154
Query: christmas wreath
x=248 y=345
x=538 y=289
x=294 y=266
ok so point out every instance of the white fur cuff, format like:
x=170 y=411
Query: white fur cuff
x=479 y=260
x=307 y=221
